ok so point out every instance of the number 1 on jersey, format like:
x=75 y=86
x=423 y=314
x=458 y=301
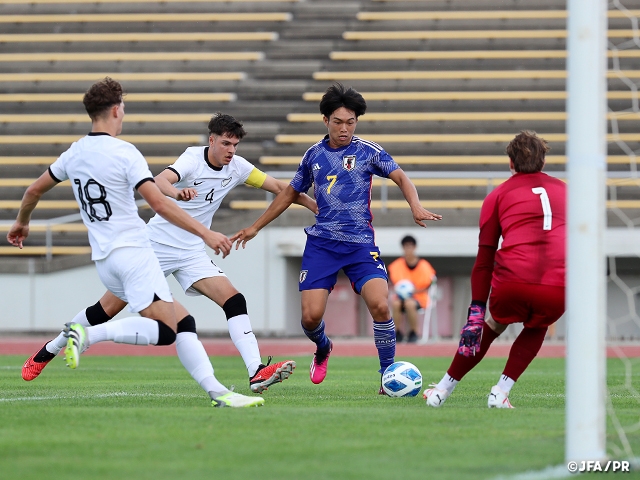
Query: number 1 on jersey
x=546 y=207
x=333 y=179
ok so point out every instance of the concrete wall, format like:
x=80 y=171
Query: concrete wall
x=267 y=273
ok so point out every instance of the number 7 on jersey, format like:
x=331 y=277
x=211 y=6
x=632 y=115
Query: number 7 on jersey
x=332 y=179
x=546 y=207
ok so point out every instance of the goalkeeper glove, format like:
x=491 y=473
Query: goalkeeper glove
x=471 y=333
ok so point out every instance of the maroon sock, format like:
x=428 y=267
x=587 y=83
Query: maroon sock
x=462 y=365
x=523 y=351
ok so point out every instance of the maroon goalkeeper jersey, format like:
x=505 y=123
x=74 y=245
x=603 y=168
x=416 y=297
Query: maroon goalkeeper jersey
x=528 y=211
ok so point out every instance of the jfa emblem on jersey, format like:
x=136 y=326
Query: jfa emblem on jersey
x=303 y=275
x=349 y=162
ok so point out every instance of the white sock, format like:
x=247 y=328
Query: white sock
x=245 y=341
x=505 y=383
x=130 y=330
x=58 y=343
x=195 y=360
x=447 y=383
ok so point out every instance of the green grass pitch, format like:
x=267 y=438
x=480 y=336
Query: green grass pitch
x=145 y=418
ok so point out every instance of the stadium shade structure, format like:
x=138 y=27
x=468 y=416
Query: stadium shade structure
x=586 y=171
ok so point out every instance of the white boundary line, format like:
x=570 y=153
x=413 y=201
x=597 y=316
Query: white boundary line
x=100 y=395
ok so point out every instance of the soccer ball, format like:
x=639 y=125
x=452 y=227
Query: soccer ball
x=402 y=379
x=404 y=289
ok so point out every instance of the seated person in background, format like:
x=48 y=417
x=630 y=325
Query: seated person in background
x=411 y=277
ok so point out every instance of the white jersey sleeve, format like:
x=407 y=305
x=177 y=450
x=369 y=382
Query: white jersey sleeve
x=244 y=168
x=57 y=169
x=137 y=169
x=187 y=166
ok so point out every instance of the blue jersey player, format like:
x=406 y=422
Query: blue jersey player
x=341 y=167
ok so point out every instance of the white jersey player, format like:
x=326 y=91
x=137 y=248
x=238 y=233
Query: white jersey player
x=198 y=182
x=104 y=172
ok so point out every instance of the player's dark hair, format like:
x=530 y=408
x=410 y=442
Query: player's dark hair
x=101 y=96
x=222 y=123
x=338 y=96
x=408 y=239
x=527 y=151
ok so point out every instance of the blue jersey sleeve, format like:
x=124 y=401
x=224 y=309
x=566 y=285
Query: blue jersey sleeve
x=303 y=178
x=383 y=164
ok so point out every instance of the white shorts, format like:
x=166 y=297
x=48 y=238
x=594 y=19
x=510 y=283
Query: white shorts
x=133 y=275
x=187 y=266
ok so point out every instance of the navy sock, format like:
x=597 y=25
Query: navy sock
x=384 y=334
x=318 y=336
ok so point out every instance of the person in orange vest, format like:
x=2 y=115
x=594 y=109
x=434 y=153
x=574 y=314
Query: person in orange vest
x=411 y=277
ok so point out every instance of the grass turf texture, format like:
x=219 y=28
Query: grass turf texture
x=145 y=418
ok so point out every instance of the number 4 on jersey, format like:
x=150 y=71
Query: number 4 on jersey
x=546 y=207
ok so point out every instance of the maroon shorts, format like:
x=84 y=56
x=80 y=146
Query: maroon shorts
x=536 y=306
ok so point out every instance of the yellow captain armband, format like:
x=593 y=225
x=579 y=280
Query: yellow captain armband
x=256 y=178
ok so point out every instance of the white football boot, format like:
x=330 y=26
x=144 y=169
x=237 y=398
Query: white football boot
x=235 y=400
x=435 y=397
x=498 y=398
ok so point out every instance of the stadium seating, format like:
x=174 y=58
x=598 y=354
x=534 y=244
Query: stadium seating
x=146 y=17
x=434 y=205
x=471 y=96
x=444 y=160
x=475 y=15
x=123 y=76
x=446 y=86
x=49 y=160
x=467 y=34
x=134 y=97
x=142 y=37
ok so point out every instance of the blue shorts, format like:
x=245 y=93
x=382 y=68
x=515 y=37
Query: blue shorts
x=323 y=258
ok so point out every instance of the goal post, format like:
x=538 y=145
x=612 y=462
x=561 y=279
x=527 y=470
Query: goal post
x=586 y=223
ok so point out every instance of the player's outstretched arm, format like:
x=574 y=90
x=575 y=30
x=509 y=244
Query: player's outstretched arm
x=20 y=229
x=166 y=179
x=276 y=186
x=282 y=201
x=410 y=193
x=174 y=214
